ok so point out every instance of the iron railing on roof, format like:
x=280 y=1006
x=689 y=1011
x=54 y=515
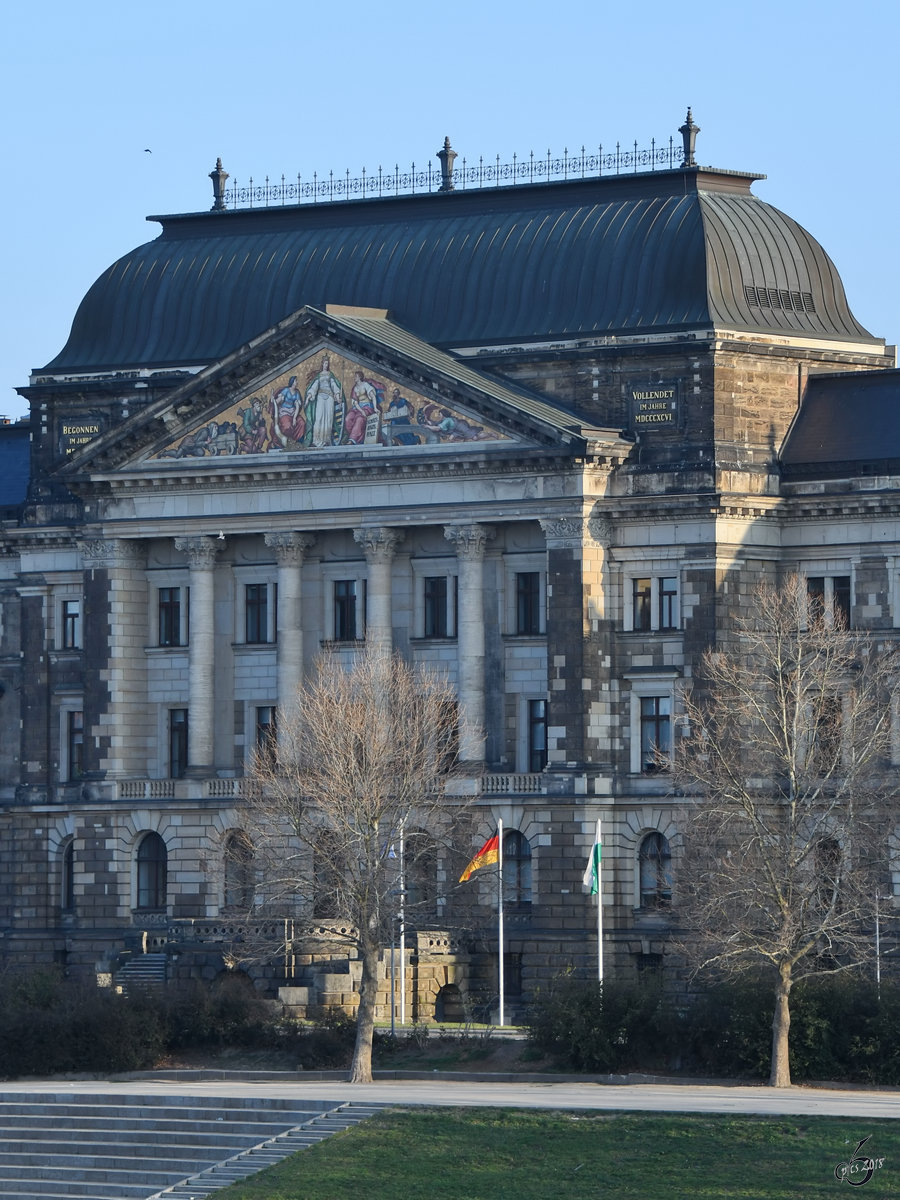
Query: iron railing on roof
x=487 y=173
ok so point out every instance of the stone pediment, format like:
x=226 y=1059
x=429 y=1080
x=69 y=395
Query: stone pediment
x=347 y=382
x=327 y=400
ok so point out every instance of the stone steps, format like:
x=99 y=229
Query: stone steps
x=96 y=1147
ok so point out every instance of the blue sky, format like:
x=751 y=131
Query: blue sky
x=805 y=93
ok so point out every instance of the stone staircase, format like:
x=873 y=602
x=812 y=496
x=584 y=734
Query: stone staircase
x=132 y=1147
x=144 y=971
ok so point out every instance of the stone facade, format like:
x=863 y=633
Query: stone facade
x=563 y=533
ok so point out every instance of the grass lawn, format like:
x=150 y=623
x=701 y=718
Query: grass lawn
x=521 y=1154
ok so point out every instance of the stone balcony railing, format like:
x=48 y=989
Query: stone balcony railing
x=488 y=784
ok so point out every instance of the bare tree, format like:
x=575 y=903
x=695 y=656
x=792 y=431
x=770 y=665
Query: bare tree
x=357 y=770
x=784 y=760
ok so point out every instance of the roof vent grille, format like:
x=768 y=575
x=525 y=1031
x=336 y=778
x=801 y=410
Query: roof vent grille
x=766 y=297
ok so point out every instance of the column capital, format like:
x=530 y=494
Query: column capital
x=469 y=540
x=602 y=530
x=378 y=541
x=111 y=552
x=290 y=548
x=201 y=551
x=563 y=532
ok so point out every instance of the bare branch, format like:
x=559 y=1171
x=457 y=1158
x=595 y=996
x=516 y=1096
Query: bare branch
x=785 y=760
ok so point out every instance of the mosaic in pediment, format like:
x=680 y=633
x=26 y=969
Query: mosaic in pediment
x=324 y=402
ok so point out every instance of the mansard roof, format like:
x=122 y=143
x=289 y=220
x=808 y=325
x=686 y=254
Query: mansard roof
x=654 y=253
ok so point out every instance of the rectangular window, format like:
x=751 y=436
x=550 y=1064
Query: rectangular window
x=668 y=602
x=266 y=730
x=345 y=611
x=828 y=597
x=256 y=620
x=528 y=602
x=656 y=732
x=537 y=735
x=170 y=617
x=75 y=744
x=71 y=624
x=178 y=742
x=435 y=597
x=654 y=603
x=840 y=598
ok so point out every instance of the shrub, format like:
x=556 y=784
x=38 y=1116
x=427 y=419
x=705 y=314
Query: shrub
x=604 y=1027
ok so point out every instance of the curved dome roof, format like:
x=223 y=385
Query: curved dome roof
x=656 y=253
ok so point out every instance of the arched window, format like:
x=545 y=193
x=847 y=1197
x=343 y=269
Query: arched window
x=152 y=858
x=420 y=877
x=655 y=866
x=516 y=868
x=238 y=870
x=67 y=882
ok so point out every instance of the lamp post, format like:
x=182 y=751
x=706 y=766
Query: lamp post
x=878 y=899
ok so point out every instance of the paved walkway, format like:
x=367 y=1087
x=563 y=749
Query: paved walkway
x=662 y=1097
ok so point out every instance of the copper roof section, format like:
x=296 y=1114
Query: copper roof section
x=663 y=253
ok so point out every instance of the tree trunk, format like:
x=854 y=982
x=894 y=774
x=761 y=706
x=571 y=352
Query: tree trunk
x=780 y=1075
x=361 y=1066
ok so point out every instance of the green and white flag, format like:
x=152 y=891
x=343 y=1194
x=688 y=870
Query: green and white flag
x=591 y=877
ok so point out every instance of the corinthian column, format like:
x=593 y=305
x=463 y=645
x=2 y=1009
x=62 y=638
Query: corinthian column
x=201 y=553
x=379 y=544
x=290 y=549
x=470 y=542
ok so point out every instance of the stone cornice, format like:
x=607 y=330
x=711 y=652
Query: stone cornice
x=292 y=469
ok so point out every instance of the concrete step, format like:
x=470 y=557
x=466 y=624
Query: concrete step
x=96 y=1147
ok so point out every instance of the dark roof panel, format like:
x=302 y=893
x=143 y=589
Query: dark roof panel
x=665 y=252
x=845 y=419
x=15 y=464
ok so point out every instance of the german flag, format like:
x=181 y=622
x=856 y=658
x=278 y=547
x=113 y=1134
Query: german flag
x=488 y=854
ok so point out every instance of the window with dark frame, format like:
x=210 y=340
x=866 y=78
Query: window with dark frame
x=655 y=868
x=827 y=596
x=170 y=616
x=656 y=732
x=516 y=868
x=71 y=624
x=238 y=870
x=642 y=605
x=256 y=613
x=178 y=742
x=840 y=598
x=528 y=602
x=75 y=743
x=435 y=597
x=512 y=973
x=266 y=731
x=152 y=870
x=420 y=877
x=668 y=602
x=347 y=626
x=537 y=735
x=67 y=889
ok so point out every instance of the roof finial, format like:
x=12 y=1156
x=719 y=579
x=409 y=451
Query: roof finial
x=689 y=133
x=447 y=156
x=218 y=177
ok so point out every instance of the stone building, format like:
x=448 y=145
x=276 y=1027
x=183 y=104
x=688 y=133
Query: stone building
x=545 y=436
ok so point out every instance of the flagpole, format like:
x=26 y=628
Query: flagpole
x=500 y=909
x=599 y=908
x=402 y=931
